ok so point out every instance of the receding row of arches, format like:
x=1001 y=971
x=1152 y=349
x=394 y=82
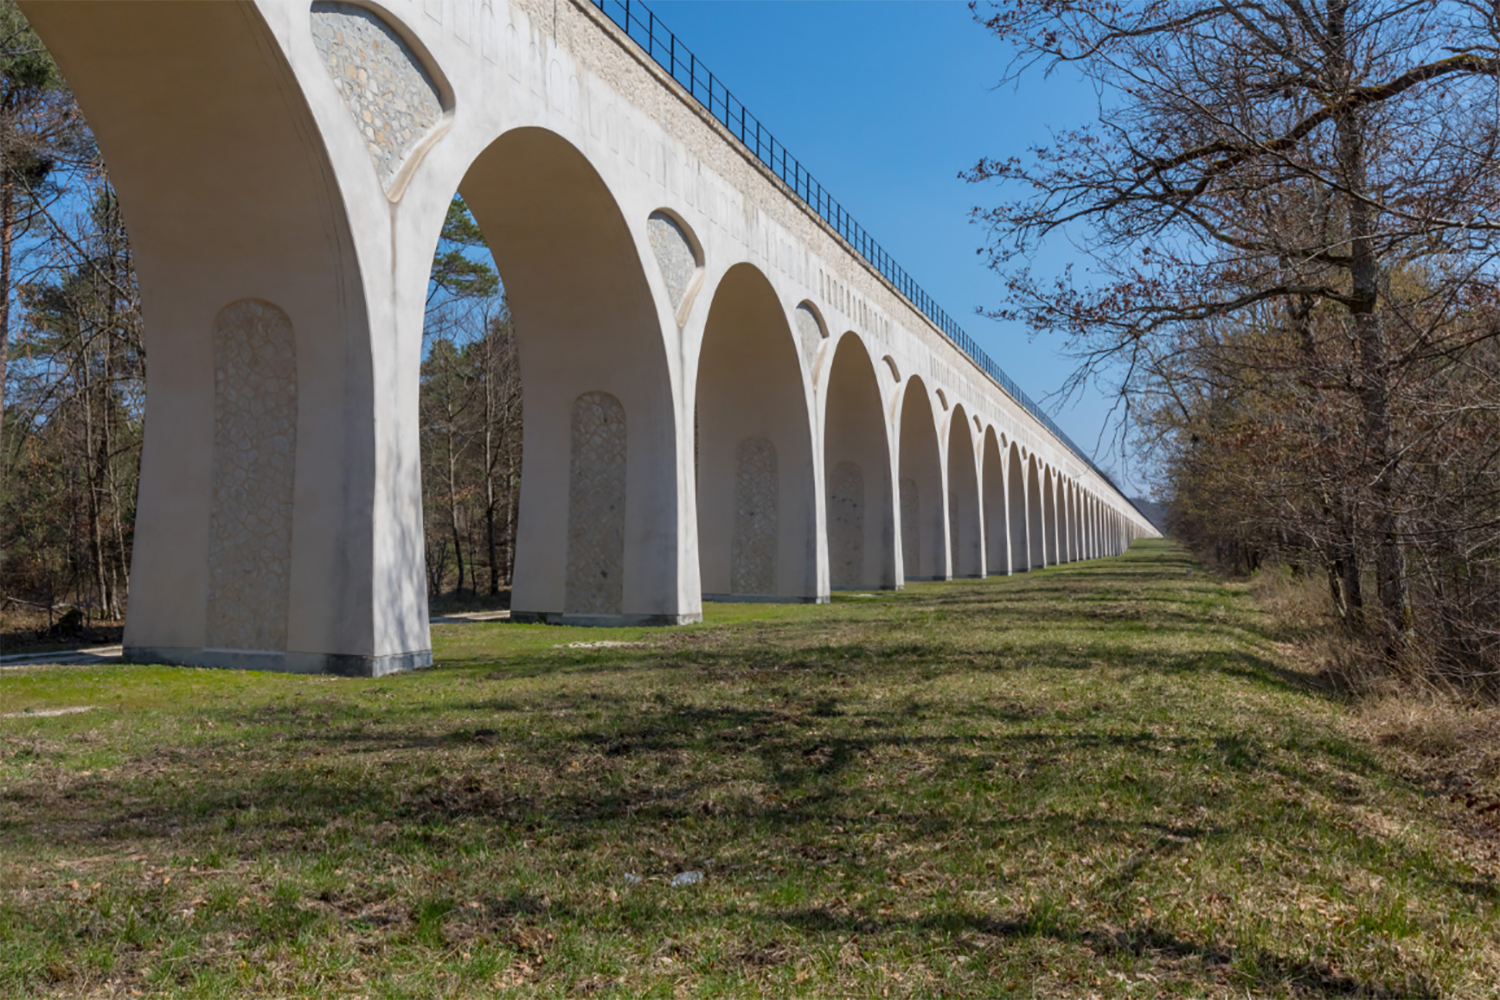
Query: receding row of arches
x=688 y=428
x=812 y=468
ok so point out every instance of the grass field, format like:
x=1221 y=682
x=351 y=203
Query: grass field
x=1103 y=779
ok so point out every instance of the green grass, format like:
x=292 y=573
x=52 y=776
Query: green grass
x=1095 y=780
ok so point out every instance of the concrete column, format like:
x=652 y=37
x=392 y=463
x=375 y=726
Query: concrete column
x=606 y=529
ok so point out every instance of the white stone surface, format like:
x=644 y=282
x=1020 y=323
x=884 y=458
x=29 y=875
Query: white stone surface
x=236 y=135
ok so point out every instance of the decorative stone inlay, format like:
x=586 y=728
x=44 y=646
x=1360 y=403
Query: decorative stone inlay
x=846 y=526
x=596 y=507
x=255 y=445
x=808 y=331
x=911 y=534
x=674 y=255
x=384 y=86
x=752 y=557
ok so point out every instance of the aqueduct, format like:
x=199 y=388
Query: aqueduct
x=285 y=168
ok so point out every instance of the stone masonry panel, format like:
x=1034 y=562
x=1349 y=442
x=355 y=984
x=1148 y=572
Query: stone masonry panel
x=255 y=447
x=596 y=507
x=752 y=562
x=385 y=88
x=846 y=525
x=674 y=255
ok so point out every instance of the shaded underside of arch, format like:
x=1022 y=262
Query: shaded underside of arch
x=756 y=485
x=587 y=327
x=965 y=527
x=997 y=560
x=924 y=548
x=859 y=497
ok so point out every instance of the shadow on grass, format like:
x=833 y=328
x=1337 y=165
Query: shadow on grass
x=1251 y=966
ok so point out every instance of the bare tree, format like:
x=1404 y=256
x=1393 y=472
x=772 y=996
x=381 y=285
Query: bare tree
x=1284 y=158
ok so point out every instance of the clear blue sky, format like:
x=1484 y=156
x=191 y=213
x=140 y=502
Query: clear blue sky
x=885 y=102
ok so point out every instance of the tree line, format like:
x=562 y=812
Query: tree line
x=73 y=373
x=1287 y=217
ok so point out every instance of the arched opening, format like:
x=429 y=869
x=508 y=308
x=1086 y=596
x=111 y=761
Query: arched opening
x=997 y=559
x=1036 y=525
x=599 y=503
x=1094 y=527
x=1088 y=525
x=1020 y=535
x=924 y=549
x=964 y=527
x=1050 y=515
x=1069 y=525
x=857 y=474
x=756 y=490
x=1072 y=496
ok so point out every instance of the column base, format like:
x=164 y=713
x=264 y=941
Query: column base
x=600 y=621
x=341 y=664
x=762 y=599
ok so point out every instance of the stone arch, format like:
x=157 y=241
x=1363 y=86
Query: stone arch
x=1071 y=506
x=861 y=513
x=1083 y=523
x=1088 y=525
x=1094 y=552
x=1020 y=538
x=1100 y=545
x=1081 y=508
x=924 y=548
x=757 y=499
x=232 y=196
x=1035 y=509
x=586 y=323
x=965 y=518
x=1101 y=523
x=1049 y=515
x=997 y=541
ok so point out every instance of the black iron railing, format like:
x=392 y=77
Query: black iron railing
x=647 y=31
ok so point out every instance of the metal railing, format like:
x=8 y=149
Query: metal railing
x=646 y=30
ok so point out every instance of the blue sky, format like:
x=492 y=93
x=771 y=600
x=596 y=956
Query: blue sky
x=885 y=102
